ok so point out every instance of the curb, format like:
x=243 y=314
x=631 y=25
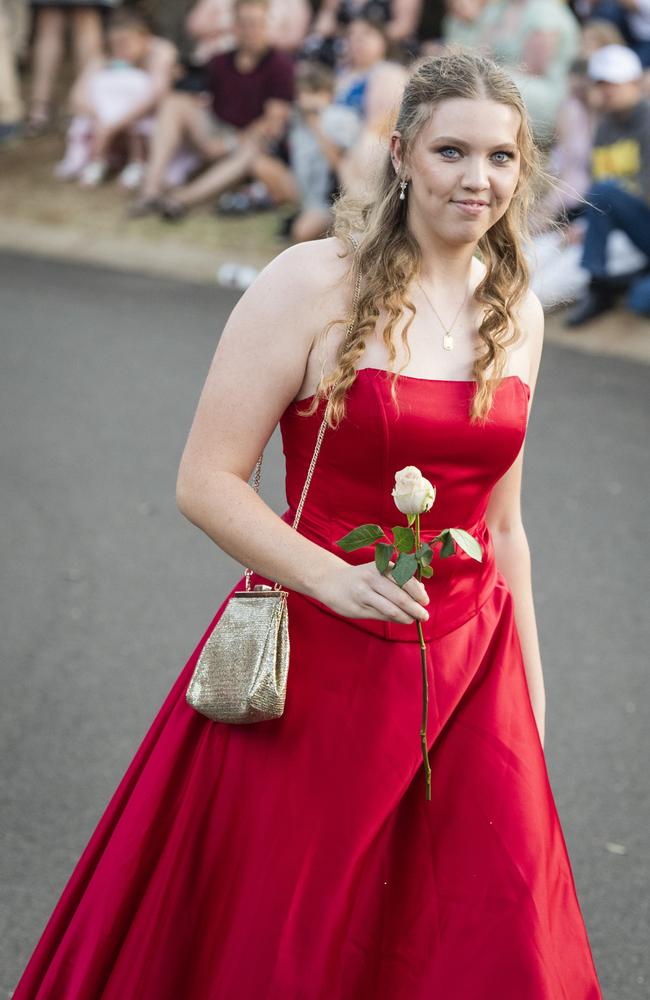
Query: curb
x=620 y=334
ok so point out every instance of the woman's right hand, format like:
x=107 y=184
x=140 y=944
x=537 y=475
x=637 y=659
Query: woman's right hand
x=363 y=592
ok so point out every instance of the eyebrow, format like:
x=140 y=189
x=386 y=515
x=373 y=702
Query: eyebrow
x=508 y=144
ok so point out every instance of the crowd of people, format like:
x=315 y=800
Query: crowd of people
x=266 y=103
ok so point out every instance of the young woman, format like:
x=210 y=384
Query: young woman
x=299 y=857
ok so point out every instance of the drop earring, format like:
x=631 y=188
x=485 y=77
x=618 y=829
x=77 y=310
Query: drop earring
x=402 y=185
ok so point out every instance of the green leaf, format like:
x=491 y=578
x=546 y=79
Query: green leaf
x=424 y=554
x=359 y=537
x=427 y=571
x=411 y=519
x=404 y=568
x=468 y=543
x=383 y=552
x=448 y=547
x=404 y=538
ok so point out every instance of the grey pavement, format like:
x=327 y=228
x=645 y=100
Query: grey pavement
x=106 y=588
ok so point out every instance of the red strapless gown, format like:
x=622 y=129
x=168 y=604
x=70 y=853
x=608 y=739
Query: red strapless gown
x=298 y=859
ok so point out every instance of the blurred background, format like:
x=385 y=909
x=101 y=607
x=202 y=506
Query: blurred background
x=153 y=157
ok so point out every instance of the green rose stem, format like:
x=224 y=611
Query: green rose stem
x=411 y=561
x=425 y=683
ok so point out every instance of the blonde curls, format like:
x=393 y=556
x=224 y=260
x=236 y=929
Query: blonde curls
x=389 y=257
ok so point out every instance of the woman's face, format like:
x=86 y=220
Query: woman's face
x=365 y=44
x=463 y=168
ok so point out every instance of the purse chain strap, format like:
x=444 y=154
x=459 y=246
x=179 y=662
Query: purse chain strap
x=319 y=438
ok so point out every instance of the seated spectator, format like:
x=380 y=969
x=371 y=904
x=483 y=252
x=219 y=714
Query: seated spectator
x=569 y=156
x=12 y=35
x=54 y=21
x=536 y=40
x=319 y=134
x=372 y=85
x=598 y=33
x=619 y=195
x=240 y=133
x=632 y=17
x=402 y=18
x=114 y=101
x=211 y=23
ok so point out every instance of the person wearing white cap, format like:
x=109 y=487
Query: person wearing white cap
x=619 y=196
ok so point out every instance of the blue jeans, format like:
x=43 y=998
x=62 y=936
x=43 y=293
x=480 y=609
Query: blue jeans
x=616 y=208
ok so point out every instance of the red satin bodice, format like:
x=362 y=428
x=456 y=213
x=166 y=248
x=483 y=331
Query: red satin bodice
x=355 y=473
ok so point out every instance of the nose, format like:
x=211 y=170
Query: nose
x=475 y=176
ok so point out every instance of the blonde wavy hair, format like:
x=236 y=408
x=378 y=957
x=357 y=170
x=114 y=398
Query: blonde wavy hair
x=388 y=257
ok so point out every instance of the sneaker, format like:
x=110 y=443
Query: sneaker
x=254 y=198
x=132 y=176
x=598 y=299
x=93 y=173
x=144 y=205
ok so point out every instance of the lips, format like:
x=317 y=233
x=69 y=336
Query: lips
x=469 y=201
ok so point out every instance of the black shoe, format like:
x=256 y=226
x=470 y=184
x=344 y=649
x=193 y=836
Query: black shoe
x=597 y=300
x=172 y=210
x=284 y=226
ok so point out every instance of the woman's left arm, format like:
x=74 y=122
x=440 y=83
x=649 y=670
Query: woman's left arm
x=511 y=547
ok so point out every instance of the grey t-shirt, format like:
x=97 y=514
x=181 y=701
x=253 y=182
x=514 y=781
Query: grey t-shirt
x=342 y=126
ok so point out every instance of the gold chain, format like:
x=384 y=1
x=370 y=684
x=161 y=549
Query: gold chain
x=447 y=340
x=319 y=439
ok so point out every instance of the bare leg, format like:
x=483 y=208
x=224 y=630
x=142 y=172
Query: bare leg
x=278 y=178
x=217 y=178
x=86 y=35
x=48 y=50
x=11 y=107
x=180 y=116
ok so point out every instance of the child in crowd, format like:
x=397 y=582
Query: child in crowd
x=320 y=133
x=114 y=101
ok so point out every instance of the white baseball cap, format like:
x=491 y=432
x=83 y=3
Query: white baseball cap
x=615 y=64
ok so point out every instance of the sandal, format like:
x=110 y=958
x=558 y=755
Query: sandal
x=172 y=210
x=39 y=120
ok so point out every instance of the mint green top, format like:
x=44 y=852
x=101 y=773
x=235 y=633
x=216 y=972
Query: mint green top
x=499 y=33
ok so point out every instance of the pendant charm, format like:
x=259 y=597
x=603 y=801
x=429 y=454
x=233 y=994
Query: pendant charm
x=448 y=342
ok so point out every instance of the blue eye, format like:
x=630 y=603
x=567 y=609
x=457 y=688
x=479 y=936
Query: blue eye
x=502 y=152
x=448 y=149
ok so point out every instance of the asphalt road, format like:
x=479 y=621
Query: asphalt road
x=106 y=588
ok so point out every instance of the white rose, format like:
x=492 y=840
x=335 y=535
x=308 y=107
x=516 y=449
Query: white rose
x=413 y=494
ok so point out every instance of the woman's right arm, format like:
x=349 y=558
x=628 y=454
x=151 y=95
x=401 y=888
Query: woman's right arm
x=257 y=370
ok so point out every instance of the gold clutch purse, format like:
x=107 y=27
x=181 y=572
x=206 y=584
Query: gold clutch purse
x=241 y=673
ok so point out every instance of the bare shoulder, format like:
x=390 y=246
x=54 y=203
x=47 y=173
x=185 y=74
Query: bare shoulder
x=300 y=289
x=280 y=315
x=313 y=266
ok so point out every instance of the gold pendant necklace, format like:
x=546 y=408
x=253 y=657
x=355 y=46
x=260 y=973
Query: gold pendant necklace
x=447 y=340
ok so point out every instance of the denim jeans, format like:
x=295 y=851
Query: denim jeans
x=616 y=208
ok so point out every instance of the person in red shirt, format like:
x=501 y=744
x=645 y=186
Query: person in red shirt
x=238 y=126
